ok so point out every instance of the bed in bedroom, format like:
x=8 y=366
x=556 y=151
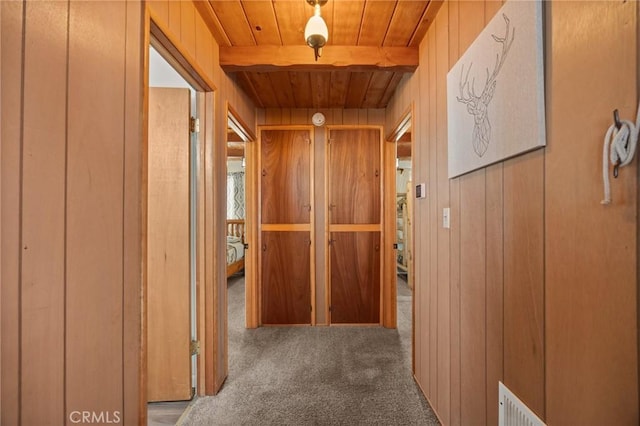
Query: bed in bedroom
x=235 y=246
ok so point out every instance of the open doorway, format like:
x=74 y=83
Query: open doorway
x=172 y=173
x=240 y=270
x=402 y=137
x=236 y=232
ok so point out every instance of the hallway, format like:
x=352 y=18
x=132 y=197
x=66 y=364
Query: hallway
x=316 y=375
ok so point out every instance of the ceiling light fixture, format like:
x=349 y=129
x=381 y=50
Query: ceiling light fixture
x=316 y=32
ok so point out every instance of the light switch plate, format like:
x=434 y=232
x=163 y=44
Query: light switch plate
x=446 y=217
x=421 y=190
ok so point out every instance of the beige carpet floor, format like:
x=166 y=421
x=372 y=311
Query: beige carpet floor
x=316 y=375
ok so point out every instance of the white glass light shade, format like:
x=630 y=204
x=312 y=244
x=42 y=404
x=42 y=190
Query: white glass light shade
x=316 y=30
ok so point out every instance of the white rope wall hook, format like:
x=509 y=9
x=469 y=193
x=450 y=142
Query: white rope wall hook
x=619 y=148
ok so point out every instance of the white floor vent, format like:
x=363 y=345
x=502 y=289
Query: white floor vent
x=512 y=411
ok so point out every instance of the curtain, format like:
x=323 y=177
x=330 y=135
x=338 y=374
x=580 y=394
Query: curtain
x=235 y=195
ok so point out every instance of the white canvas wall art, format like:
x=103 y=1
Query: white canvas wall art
x=495 y=92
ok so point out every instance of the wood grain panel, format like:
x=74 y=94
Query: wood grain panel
x=188 y=28
x=434 y=221
x=284 y=94
x=404 y=21
x=11 y=78
x=355 y=278
x=495 y=287
x=234 y=22
x=320 y=89
x=219 y=184
x=245 y=83
x=292 y=18
x=301 y=84
x=285 y=176
x=339 y=85
x=160 y=9
x=391 y=89
x=443 y=396
x=43 y=216
x=94 y=302
x=523 y=278
x=175 y=18
x=389 y=233
x=204 y=47
x=421 y=220
x=211 y=308
x=354 y=164
x=357 y=89
x=591 y=293
x=472 y=298
x=491 y=7
x=286 y=278
x=134 y=374
x=321 y=235
x=454 y=197
x=472 y=259
x=376 y=90
x=495 y=272
x=346 y=22
x=168 y=260
x=376 y=16
x=471 y=22
x=263 y=88
x=262 y=20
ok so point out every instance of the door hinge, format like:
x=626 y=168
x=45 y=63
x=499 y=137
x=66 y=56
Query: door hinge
x=194 y=125
x=330 y=308
x=395 y=246
x=194 y=347
x=246 y=246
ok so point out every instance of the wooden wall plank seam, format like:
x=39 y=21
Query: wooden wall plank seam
x=134 y=374
x=43 y=214
x=94 y=207
x=11 y=33
x=444 y=234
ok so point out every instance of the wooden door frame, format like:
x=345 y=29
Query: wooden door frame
x=388 y=308
x=251 y=254
x=400 y=127
x=256 y=165
x=156 y=35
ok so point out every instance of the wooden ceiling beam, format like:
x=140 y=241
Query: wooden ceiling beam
x=300 y=58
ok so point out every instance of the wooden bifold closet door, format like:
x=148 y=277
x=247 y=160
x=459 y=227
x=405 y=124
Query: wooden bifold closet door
x=286 y=226
x=354 y=181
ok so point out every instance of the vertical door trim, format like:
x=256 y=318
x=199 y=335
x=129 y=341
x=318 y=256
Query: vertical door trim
x=387 y=304
x=156 y=34
x=312 y=236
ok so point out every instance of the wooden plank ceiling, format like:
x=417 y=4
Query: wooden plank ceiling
x=372 y=44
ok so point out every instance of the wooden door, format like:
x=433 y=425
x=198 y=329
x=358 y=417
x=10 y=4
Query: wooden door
x=168 y=303
x=286 y=226
x=354 y=180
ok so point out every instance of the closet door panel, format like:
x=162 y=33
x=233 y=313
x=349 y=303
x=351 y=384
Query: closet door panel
x=286 y=189
x=355 y=277
x=354 y=162
x=286 y=277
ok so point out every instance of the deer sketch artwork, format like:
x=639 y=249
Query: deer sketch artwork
x=478 y=105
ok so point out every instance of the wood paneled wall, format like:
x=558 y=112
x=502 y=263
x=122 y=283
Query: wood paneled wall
x=71 y=157
x=182 y=23
x=71 y=168
x=279 y=116
x=535 y=282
